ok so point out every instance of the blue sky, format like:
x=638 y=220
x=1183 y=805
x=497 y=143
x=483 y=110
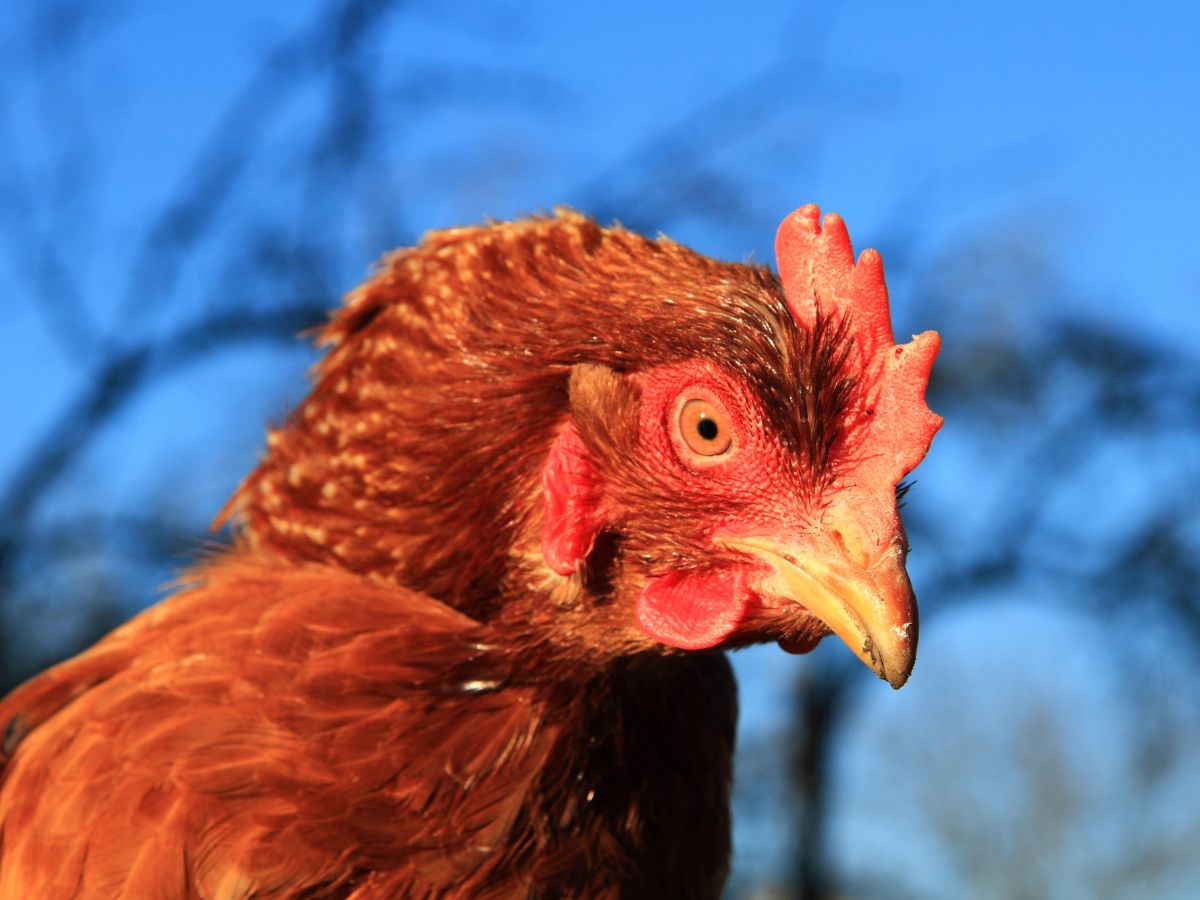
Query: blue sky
x=1074 y=122
x=1073 y=126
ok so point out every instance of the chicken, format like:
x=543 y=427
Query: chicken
x=467 y=640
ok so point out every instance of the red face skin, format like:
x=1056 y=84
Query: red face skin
x=743 y=542
x=753 y=486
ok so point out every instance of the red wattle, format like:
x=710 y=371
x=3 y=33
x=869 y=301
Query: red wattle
x=799 y=645
x=694 y=610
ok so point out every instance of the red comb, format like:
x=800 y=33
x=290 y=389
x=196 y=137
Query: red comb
x=890 y=424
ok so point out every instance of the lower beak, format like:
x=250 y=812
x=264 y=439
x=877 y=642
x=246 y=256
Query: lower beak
x=872 y=609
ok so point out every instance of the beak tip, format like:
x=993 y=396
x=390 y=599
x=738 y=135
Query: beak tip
x=893 y=663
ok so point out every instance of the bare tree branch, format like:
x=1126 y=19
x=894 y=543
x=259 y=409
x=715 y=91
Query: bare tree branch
x=116 y=382
x=196 y=209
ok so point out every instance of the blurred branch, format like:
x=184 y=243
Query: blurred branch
x=122 y=370
x=819 y=705
x=674 y=170
x=196 y=208
x=151 y=536
x=46 y=213
x=644 y=187
x=115 y=383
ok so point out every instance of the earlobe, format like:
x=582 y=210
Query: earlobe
x=604 y=406
x=571 y=490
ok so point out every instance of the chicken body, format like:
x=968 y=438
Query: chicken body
x=283 y=731
x=468 y=639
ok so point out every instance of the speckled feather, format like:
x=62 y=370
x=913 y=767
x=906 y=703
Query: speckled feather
x=447 y=379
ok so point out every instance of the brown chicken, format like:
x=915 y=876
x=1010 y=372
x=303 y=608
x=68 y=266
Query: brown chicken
x=467 y=639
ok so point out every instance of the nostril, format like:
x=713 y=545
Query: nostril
x=840 y=541
x=853 y=547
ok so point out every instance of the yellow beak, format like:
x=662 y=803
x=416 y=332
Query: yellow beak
x=872 y=609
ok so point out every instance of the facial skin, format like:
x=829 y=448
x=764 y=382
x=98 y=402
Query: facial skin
x=742 y=542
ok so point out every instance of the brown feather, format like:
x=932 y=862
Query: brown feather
x=330 y=728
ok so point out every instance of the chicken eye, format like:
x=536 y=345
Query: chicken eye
x=705 y=428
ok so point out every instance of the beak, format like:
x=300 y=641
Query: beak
x=871 y=608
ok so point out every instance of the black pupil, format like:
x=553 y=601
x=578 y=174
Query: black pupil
x=707 y=429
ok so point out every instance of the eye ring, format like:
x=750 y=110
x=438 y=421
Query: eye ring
x=704 y=428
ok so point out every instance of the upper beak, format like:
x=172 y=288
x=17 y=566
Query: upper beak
x=871 y=608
